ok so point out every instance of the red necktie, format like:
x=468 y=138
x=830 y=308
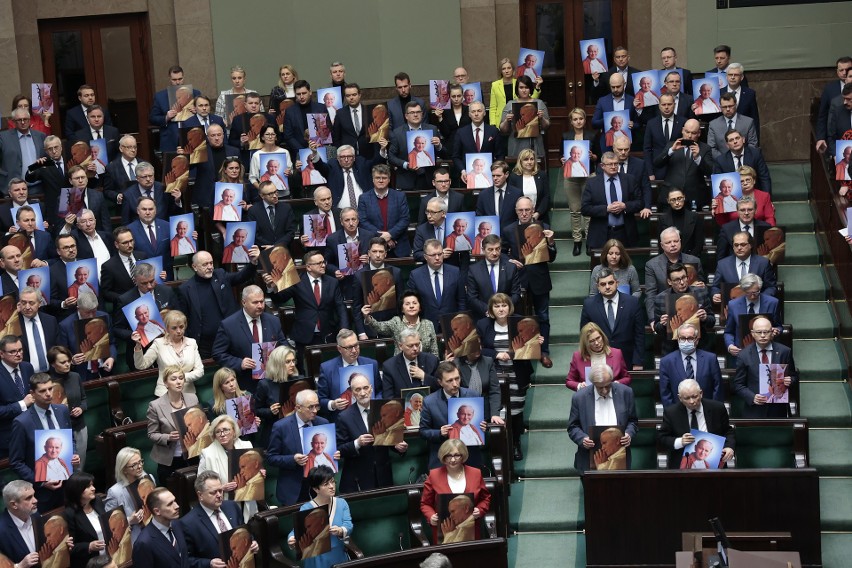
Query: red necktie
x=763 y=357
x=255 y=335
x=478 y=140
x=317 y=297
x=327 y=224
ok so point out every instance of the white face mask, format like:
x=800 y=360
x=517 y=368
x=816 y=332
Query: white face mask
x=686 y=347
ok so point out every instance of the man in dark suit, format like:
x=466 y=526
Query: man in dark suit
x=10 y=262
x=15 y=396
x=500 y=199
x=634 y=167
x=296 y=120
x=396 y=105
x=350 y=175
x=687 y=161
x=439 y=284
x=745 y=223
x=376 y=255
x=18 y=194
x=320 y=312
x=384 y=210
x=151 y=234
x=203 y=116
x=121 y=172
x=535 y=278
x=233 y=344
x=731 y=268
x=349 y=232
x=411 y=176
x=93 y=200
x=162 y=542
x=751 y=302
x=409 y=368
x=738 y=155
x=87 y=308
x=730 y=120
x=434 y=422
x=41 y=245
x=327 y=385
x=494 y=273
x=682 y=102
x=619 y=410
x=285 y=448
x=692 y=412
x=117 y=272
x=61 y=304
x=746 y=97
x=145 y=186
x=697 y=309
x=49 y=172
x=610 y=201
x=161 y=114
x=839 y=117
x=621 y=60
x=612 y=102
x=92 y=243
x=689 y=362
x=435 y=227
x=350 y=124
x=39 y=331
x=324 y=206
x=75 y=118
x=477 y=138
x=207 y=173
x=656 y=141
x=42 y=415
x=750 y=381
x=213 y=515
x=452 y=199
x=830 y=92
x=365 y=466
x=620 y=317
x=19 y=498
x=722 y=57
x=242 y=132
x=95 y=129
x=11 y=158
x=668 y=57
x=208 y=297
x=274 y=220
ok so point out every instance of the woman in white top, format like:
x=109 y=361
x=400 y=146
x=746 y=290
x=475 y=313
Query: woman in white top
x=238 y=80
x=173 y=348
x=268 y=136
x=533 y=181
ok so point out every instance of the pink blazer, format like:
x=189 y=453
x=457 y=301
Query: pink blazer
x=577 y=370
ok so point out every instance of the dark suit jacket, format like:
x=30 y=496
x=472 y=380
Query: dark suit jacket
x=343 y=131
x=629 y=332
x=582 y=418
x=685 y=79
x=464 y=142
x=166 y=204
x=724 y=244
x=98 y=205
x=423 y=233
x=49 y=326
x=284 y=443
x=10 y=398
x=267 y=234
x=536 y=277
x=747 y=105
x=485 y=204
x=455 y=203
x=11 y=159
x=480 y=290
x=168 y=128
x=295 y=126
x=82 y=531
x=830 y=92
x=67 y=337
x=357 y=294
x=594 y=206
x=395 y=375
x=366 y=468
x=396 y=111
x=453 y=297
x=487 y=334
x=434 y=415
x=115 y=280
x=706 y=372
x=334 y=175
x=143 y=243
x=152 y=548
x=448 y=126
x=75 y=119
x=108 y=133
x=11 y=542
x=59 y=290
x=682 y=172
x=331 y=313
x=751 y=157
x=84 y=249
x=602 y=88
x=398 y=157
x=542 y=186
x=655 y=141
x=222 y=282
x=728 y=270
x=194 y=121
x=606 y=104
x=338 y=238
x=661 y=302
x=370 y=218
x=692 y=234
x=327 y=382
x=676 y=424
x=52 y=181
x=490 y=385
x=202 y=538
x=738 y=307
x=838 y=123
x=117 y=179
x=234 y=338
x=165 y=298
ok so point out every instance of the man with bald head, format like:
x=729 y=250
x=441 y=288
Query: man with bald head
x=615 y=100
x=687 y=161
x=475 y=138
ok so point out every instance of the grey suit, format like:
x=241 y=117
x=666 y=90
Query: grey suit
x=582 y=419
x=11 y=160
x=160 y=423
x=656 y=279
x=719 y=126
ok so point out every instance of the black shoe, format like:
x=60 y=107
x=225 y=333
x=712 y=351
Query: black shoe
x=578 y=248
x=518 y=454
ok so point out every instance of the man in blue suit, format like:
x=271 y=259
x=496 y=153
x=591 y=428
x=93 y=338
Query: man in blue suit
x=611 y=201
x=19 y=498
x=161 y=114
x=738 y=154
x=829 y=93
x=409 y=368
x=338 y=173
x=162 y=542
x=617 y=407
x=327 y=385
x=732 y=268
x=344 y=131
x=439 y=284
x=87 y=308
x=42 y=415
x=620 y=316
x=95 y=129
x=151 y=235
x=465 y=141
x=689 y=362
x=750 y=303
x=746 y=97
x=396 y=106
x=204 y=522
x=25 y=218
x=296 y=120
x=399 y=156
x=40 y=330
x=616 y=100
x=233 y=344
x=285 y=448
x=15 y=396
x=385 y=211
x=434 y=422
x=500 y=198
x=655 y=141
x=493 y=274
x=145 y=186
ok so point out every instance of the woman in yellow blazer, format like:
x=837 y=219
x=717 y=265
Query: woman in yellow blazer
x=498 y=90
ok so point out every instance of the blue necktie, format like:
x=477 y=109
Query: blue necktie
x=494 y=278
x=437 y=287
x=51 y=424
x=690 y=371
x=19 y=382
x=42 y=360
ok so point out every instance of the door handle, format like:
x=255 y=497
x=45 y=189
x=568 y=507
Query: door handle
x=570 y=84
x=579 y=84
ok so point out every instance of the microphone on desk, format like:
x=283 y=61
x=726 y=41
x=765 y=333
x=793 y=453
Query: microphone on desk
x=410 y=473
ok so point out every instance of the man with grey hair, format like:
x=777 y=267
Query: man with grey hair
x=436 y=560
x=50 y=171
x=746 y=97
x=146 y=186
x=435 y=226
x=610 y=201
x=238 y=333
x=327 y=386
x=693 y=412
x=753 y=301
x=337 y=71
x=92 y=243
x=409 y=368
x=655 y=269
x=689 y=362
x=87 y=308
x=19 y=148
x=18 y=540
x=122 y=170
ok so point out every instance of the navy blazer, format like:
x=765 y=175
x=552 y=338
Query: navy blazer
x=830 y=92
x=108 y=133
x=727 y=270
x=751 y=157
x=336 y=182
x=222 y=283
x=535 y=277
x=84 y=249
x=747 y=380
x=10 y=398
x=638 y=169
x=629 y=332
x=202 y=538
x=98 y=205
x=168 y=128
x=357 y=294
x=480 y=289
x=143 y=243
x=68 y=338
x=152 y=548
x=395 y=375
x=295 y=126
x=165 y=202
x=676 y=424
x=491 y=395
x=117 y=179
x=465 y=143
x=434 y=415
x=453 y=296
x=487 y=335
x=59 y=290
x=594 y=204
x=194 y=121
x=423 y=233
x=747 y=105
x=455 y=203
x=582 y=418
x=343 y=131
x=308 y=313
x=485 y=204
x=11 y=542
x=284 y=443
x=396 y=111
x=50 y=328
x=233 y=343
x=338 y=238
x=738 y=307
x=21 y=446
x=327 y=382
x=75 y=119
x=370 y=218
x=706 y=371
x=397 y=152
x=265 y=233
x=365 y=468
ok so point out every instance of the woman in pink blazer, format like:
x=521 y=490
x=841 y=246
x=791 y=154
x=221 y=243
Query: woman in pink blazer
x=595 y=350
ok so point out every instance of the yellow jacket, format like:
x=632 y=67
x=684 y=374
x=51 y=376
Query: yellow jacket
x=498 y=100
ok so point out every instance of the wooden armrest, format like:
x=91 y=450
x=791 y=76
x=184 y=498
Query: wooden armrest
x=352 y=549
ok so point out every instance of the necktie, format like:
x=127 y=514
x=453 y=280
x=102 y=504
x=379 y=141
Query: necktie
x=356 y=122
x=730 y=124
x=621 y=168
x=255 y=334
x=666 y=132
x=327 y=224
x=747 y=229
x=439 y=234
x=271 y=210
x=742 y=269
x=693 y=422
x=475 y=383
x=131 y=264
x=19 y=382
x=610 y=315
x=494 y=278
x=437 y=287
x=751 y=307
x=499 y=202
x=59 y=165
x=690 y=370
x=739 y=161
x=51 y=425
x=42 y=360
x=152 y=237
x=350 y=188
x=221 y=522
x=613 y=194
x=172 y=538
x=764 y=358
x=131 y=174
x=204 y=121
x=97 y=134
x=478 y=140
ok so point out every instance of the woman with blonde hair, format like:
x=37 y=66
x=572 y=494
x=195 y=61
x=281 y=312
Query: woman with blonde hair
x=595 y=350
x=533 y=181
x=574 y=185
x=225 y=388
x=280 y=368
x=503 y=90
x=163 y=430
x=287 y=76
x=128 y=470
x=171 y=349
